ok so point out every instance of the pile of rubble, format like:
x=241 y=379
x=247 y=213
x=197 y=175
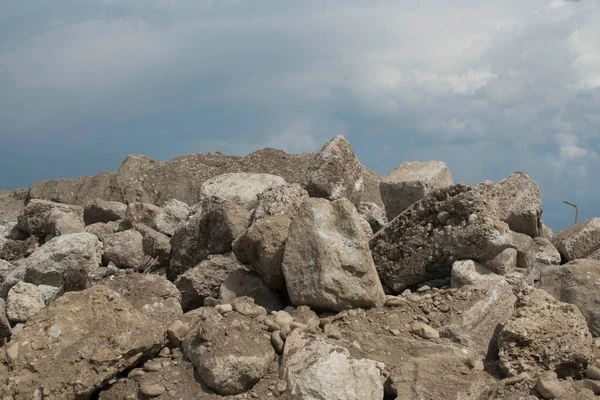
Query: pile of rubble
x=293 y=277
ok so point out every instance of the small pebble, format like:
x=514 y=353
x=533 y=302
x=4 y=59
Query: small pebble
x=548 y=385
x=332 y=331
x=151 y=389
x=424 y=331
x=593 y=372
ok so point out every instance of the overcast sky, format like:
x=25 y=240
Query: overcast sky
x=489 y=87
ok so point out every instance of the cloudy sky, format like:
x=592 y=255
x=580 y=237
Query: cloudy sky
x=489 y=87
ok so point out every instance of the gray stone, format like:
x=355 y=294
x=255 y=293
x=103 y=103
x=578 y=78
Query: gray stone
x=504 y=263
x=335 y=172
x=262 y=245
x=102 y=230
x=544 y=334
x=576 y=283
x=469 y=272
x=282 y=200
x=150 y=294
x=155 y=244
x=240 y=188
x=141 y=213
x=474 y=323
x=24 y=300
x=94 y=335
x=99 y=210
x=544 y=254
x=423 y=330
x=125 y=250
x=15 y=276
x=229 y=356
x=581 y=240
x=410 y=182
x=211 y=231
x=75 y=251
x=315 y=368
x=517 y=201
x=204 y=280
x=327 y=263
x=373 y=214
x=5 y=269
x=242 y=283
x=549 y=386
x=417 y=246
x=43 y=219
x=173 y=215
x=5 y=331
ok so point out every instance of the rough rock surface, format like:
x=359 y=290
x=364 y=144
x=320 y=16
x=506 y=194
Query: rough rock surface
x=373 y=214
x=229 y=356
x=173 y=215
x=141 y=213
x=75 y=251
x=150 y=294
x=517 y=201
x=12 y=204
x=125 y=249
x=327 y=263
x=576 y=283
x=240 y=188
x=23 y=301
x=262 y=246
x=5 y=269
x=204 y=280
x=102 y=230
x=544 y=255
x=423 y=242
x=242 y=283
x=544 y=334
x=99 y=210
x=45 y=218
x=155 y=244
x=410 y=182
x=94 y=335
x=490 y=304
x=4 y=324
x=317 y=369
x=469 y=272
x=581 y=240
x=212 y=231
x=335 y=173
x=281 y=200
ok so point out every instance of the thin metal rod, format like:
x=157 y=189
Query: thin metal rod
x=576 y=210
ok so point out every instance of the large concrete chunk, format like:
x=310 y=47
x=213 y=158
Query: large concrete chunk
x=373 y=214
x=150 y=294
x=23 y=301
x=423 y=242
x=125 y=249
x=335 y=173
x=48 y=264
x=544 y=334
x=262 y=246
x=240 y=188
x=45 y=218
x=581 y=240
x=173 y=215
x=517 y=201
x=316 y=369
x=211 y=231
x=205 y=279
x=99 y=210
x=281 y=200
x=94 y=335
x=327 y=263
x=576 y=283
x=4 y=324
x=243 y=283
x=231 y=355
x=545 y=254
x=476 y=321
x=410 y=182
